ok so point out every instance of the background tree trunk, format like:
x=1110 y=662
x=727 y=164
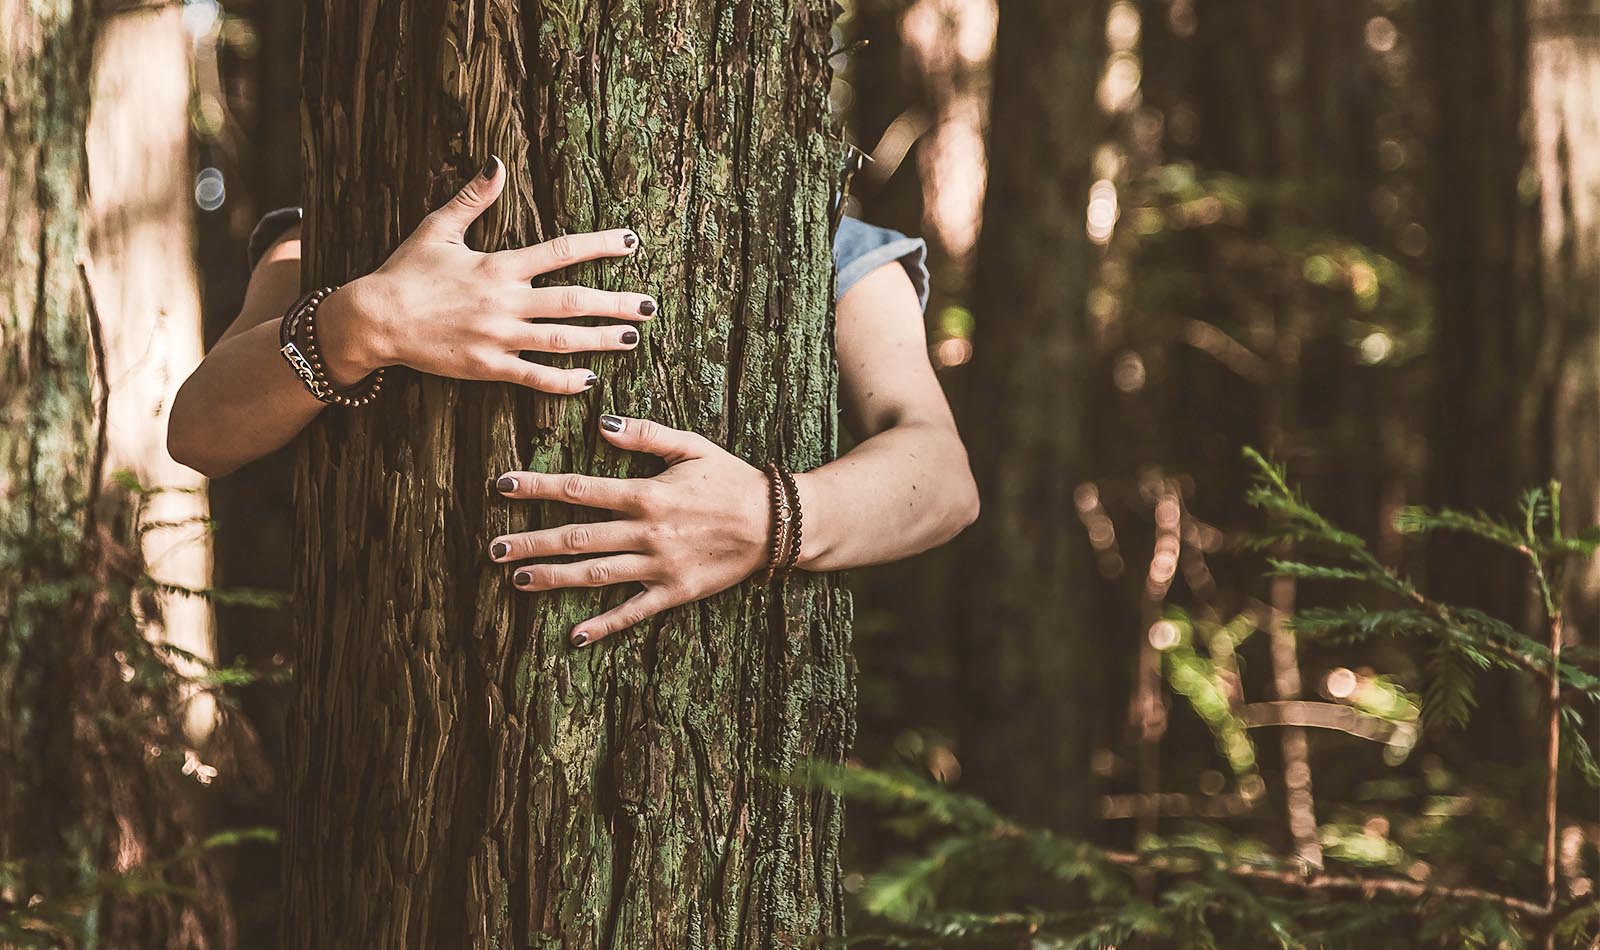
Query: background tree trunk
x=458 y=775
x=1026 y=650
x=1485 y=297
x=141 y=235
x=1564 y=74
x=94 y=821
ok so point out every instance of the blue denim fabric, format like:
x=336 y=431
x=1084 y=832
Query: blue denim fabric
x=858 y=249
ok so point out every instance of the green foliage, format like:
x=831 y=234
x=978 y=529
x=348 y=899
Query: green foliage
x=972 y=877
x=105 y=591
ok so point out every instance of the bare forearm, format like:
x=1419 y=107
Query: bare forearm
x=243 y=402
x=900 y=492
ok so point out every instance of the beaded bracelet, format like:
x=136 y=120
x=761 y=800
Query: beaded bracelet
x=778 y=496
x=786 y=522
x=297 y=339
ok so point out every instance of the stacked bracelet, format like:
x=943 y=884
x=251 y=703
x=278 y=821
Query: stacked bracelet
x=297 y=339
x=786 y=522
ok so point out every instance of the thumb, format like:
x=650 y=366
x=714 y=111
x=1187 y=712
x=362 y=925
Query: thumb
x=643 y=435
x=450 y=221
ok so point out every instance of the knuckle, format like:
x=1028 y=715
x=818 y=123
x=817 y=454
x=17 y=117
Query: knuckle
x=574 y=486
x=491 y=266
x=476 y=365
x=644 y=495
x=537 y=377
x=598 y=573
x=576 y=538
x=572 y=300
x=563 y=249
x=560 y=341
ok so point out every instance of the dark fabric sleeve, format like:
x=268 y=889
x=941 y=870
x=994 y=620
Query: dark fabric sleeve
x=269 y=229
x=860 y=248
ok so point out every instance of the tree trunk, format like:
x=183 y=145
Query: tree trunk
x=95 y=832
x=1564 y=74
x=1475 y=68
x=458 y=775
x=1027 y=649
x=141 y=238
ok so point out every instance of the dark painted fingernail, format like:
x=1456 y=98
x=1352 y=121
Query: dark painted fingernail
x=579 y=639
x=522 y=578
x=630 y=240
x=647 y=307
x=611 y=423
x=506 y=483
x=499 y=549
x=590 y=380
x=489 y=168
x=630 y=337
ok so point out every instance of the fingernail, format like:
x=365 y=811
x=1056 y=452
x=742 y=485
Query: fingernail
x=499 y=549
x=522 y=578
x=630 y=337
x=590 y=380
x=489 y=168
x=630 y=240
x=611 y=423
x=506 y=483
x=647 y=307
x=579 y=639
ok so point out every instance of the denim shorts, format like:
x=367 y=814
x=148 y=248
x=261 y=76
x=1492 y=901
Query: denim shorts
x=858 y=250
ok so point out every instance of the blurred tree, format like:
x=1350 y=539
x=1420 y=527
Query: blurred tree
x=1474 y=58
x=458 y=775
x=1027 y=657
x=97 y=841
x=1565 y=86
x=141 y=227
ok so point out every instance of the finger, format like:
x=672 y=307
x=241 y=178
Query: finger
x=543 y=303
x=645 y=435
x=605 y=537
x=449 y=222
x=564 y=251
x=564 y=382
x=636 y=609
x=564 y=338
x=593 y=572
x=612 y=494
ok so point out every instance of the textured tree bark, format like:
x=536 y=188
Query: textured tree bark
x=93 y=821
x=458 y=775
x=1024 y=635
x=1564 y=80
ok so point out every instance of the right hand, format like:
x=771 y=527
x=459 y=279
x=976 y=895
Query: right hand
x=440 y=307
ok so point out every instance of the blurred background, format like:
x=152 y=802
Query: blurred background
x=1360 y=236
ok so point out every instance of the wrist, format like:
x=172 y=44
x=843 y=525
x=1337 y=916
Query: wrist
x=813 y=542
x=350 y=335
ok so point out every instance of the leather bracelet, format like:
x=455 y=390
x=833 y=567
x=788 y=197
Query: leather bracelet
x=297 y=341
x=793 y=490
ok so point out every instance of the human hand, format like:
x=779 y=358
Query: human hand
x=440 y=307
x=698 y=528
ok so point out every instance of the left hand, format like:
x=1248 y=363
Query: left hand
x=696 y=529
